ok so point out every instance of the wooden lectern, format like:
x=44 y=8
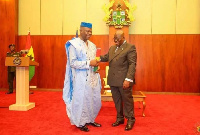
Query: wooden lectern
x=22 y=82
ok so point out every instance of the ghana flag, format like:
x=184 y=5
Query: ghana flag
x=31 y=55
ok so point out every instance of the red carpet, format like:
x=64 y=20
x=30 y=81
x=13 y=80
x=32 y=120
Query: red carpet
x=165 y=115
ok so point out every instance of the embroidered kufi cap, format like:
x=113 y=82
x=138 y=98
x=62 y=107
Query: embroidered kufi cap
x=85 y=24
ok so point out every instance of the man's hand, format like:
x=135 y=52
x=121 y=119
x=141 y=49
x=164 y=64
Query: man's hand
x=94 y=63
x=98 y=61
x=126 y=84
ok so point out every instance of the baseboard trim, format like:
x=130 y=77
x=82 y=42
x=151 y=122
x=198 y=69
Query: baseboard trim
x=145 y=92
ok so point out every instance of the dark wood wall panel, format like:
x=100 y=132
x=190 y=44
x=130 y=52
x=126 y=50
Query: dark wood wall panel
x=166 y=63
x=101 y=42
x=50 y=53
x=8 y=33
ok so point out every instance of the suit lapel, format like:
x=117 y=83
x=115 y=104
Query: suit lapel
x=120 y=49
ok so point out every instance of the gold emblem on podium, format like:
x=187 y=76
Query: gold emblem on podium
x=17 y=61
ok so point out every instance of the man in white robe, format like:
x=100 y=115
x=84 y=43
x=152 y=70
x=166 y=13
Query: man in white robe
x=82 y=86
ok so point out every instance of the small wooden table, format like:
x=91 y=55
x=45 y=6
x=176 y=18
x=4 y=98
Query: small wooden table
x=138 y=96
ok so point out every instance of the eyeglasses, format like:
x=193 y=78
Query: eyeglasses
x=117 y=39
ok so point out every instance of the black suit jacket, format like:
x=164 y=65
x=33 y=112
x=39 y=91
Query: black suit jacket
x=122 y=64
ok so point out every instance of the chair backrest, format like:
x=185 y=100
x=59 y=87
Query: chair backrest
x=105 y=79
x=106 y=86
x=107 y=68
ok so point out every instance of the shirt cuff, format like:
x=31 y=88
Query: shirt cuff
x=129 y=80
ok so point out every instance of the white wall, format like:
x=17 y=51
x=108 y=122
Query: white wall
x=63 y=17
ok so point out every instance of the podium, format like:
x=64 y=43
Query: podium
x=22 y=82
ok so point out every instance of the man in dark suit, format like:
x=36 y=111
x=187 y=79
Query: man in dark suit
x=122 y=63
x=11 y=70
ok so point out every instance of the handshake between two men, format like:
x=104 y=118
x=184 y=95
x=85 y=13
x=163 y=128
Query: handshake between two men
x=94 y=63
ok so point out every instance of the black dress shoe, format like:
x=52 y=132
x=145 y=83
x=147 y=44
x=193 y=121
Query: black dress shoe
x=9 y=92
x=84 y=128
x=95 y=124
x=117 y=123
x=129 y=126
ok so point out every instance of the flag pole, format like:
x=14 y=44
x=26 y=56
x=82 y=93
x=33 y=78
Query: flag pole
x=77 y=32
